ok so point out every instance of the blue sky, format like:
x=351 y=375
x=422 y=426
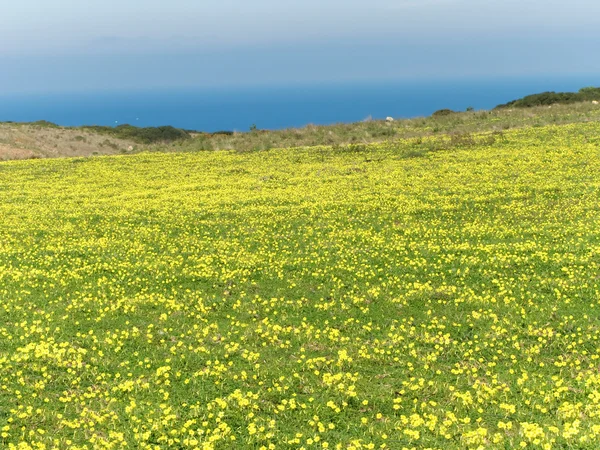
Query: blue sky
x=77 y=45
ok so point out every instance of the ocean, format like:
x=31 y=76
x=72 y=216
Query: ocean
x=276 y=107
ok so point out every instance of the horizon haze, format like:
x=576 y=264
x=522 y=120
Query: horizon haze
x=108 y=45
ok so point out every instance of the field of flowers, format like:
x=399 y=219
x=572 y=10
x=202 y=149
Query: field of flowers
x=361 y=297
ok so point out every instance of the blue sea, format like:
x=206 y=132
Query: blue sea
x=276 y=107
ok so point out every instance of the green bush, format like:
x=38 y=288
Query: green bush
x=552 y=98
x=149 y=135
x=442 y=112
x=44 y=124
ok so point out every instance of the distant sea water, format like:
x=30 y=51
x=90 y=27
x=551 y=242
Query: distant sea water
x=275 y=107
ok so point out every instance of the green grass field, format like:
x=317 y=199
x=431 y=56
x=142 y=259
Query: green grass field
x=435 y=292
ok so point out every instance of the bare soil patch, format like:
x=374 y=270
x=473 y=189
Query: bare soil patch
x=24 y=141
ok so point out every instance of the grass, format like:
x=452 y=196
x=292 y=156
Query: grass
x=427 y=292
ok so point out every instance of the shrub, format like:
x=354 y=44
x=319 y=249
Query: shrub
x=442 y=113
x=44 y=124
x=552 y=98
x=109 y=143
x=147 y=135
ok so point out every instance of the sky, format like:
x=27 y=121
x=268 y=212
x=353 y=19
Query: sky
x=70 y=45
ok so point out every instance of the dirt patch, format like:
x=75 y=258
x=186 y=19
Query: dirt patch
x=8 y=153
x=25 y=141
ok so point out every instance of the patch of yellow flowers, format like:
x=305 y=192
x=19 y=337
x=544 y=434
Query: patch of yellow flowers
x=327 y=298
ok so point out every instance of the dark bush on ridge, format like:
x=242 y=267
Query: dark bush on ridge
x=552 y=98
x=38 y=124
x=148 y=135
x=442 y=113
x=44 y=124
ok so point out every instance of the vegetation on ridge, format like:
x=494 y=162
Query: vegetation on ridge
x=143 y=135
x=552 y=98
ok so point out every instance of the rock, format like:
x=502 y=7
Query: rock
x=594 y=102
x=389 y=119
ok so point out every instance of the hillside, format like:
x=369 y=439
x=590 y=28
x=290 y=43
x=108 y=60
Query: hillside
x=23 y=141
x=43 y=140
x=434 y=291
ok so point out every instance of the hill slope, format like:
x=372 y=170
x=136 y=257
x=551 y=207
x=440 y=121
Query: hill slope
x=32 y=141
x=21 y=141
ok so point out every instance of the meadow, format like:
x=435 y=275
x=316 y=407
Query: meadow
x=433 y=292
